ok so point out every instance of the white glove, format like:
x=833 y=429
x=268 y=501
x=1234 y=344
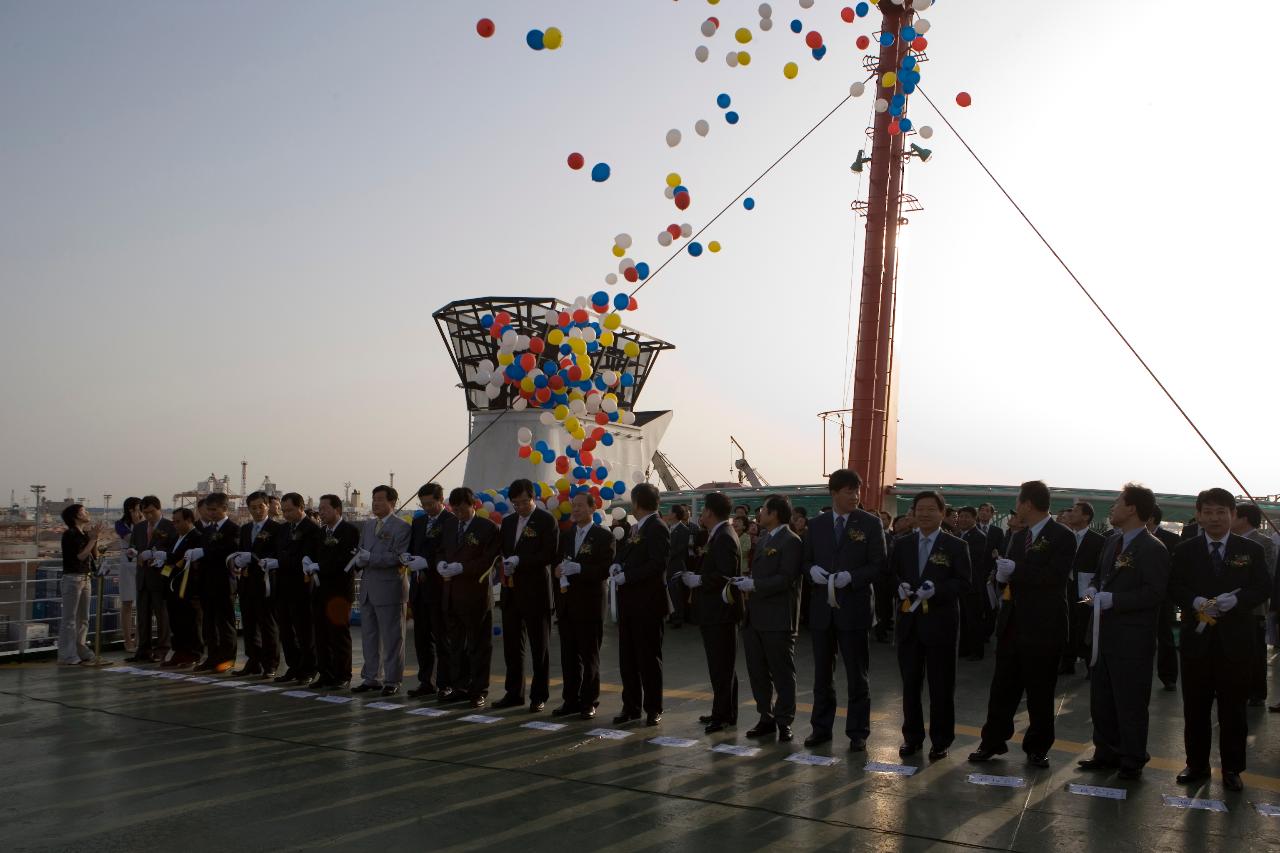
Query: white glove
x=1004 y=569
x=620 y=578
x=158 y=558
x=615 y=569
x=131 y=554
x=417 y=564
x=569 y=568
x=309 y=566
x=510 y=563
x=194 y=554
x=146 y=555
x=362 y=558
x=904 y=590
x=449 y=570
x=843 y=579
x=242 y=559
x=1090 y=593
x=267 y=564
x=455 y=569
x=926 y=591
x=1199 y=602
x=745 y=584
x=1105 y=601
x=691 y=580
x=440 y=567
x=818 y=575
x=1226 y=602
x=406 y=558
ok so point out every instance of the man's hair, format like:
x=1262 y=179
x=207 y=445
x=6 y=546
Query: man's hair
x=718 y=505
x=292 y=498
x=216 y=500
x=1036 y=493
x=843 y=478
x=334 y=501
x=185 y=514
x=1087 y=508
x=69 y=513
x=681 y=512
x=1250 y=513
x=1142 y=499
x=199 y=501
x=645 y=496
x=932 y=495
x=257 y=496
x=462 y=496
x=1215 y=497
x=520 y=488
x=431 y=490
x=150 y=502
x=968 y=510
x=988 y=505
x=1157 y=514
x=800 y=511
x=389 y=492
x=780 y=507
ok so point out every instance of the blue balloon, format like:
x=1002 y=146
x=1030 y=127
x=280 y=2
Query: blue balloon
x=909 y=88
x=898 y=100
x=819 y=52
x=695 y=249
x=571 y=452
x=679 y=188
x=597 y=517
x=594 y=346
x=908 y=62
x=905 y=124
x=796 y=26
x=606 y=493
x=613 y=417
x=418 y=513
x=514 y=371
x=642 y=269
x=607 y=439
x=621 y=301
x=540 y=381
x=600 y=172
x=599 y=298
x=749 y=203
x=565 y=349
x=722 y=101
x=487 y=321
x=502 y=506
x=908 y=33
x=602 y=472
x=886 y=39
x=534 y=39
x=895 y=110
x=731 y=117
x=619 y=488
x=862 y=9
x=627 y=380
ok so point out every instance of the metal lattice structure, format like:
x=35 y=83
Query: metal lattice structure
x=470 y=343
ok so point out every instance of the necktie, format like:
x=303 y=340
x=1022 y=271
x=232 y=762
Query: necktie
x=840 y=520
x=1216 y=557
x=377 y=528
x=925 y=547
x=1026 y=543
x=151 y=529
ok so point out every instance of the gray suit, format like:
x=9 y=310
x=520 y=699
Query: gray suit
x=769 y=631
x=384 y=589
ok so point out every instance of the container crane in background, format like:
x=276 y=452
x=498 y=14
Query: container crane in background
x=745 y=469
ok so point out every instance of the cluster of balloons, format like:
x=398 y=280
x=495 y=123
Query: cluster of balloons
x=677 y=192
x=599 y=172
x=674 y=232
x=551 y=39
x=723 y=101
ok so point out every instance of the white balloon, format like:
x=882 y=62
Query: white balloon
x=857 y=89
x=686 y=230
x=701 y=53
x=491 y=391
x=524 y=435
x=618 y=533
x=673 y=138
x=609 y=377
x=547 y=418
x=609 y=405
x=631 y=519
x=701 y=127
x=708 y=28
x=766 y=24
x=921 y=5
x=664 y=238
x=483 y=376
x=519 y=404
x=922 y=26
x=552 y=317
x=732 y=59
x=575 y=332
x=808 y=4
x=881 y=105
x=593 y=403
x=765 y=10
x=509 y=338
x=522 y=342
x=485 y=366
x=618 y=513
x=552 y=503
x=669 y=192
x=625 y=264
x=578 y=407
x=623 y=240
x=611 y=278
x=588 y=334
x=925 y=131
x=580 y=302
x=626 y=417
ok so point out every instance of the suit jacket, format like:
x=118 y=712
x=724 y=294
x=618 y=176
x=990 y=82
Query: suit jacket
x=425 y=540
x=384 y=581
x=979 y=558
x=774 y=604
x=477 y=548
x=336 y=550
x=161 y=539
x=530 y=582
x=1138 y=580
x=584 y=599
x=995 y=542
x=265 y=545
x=1088 y=553
x=1035 y=617
x=678 y=552
x=1269 y=560
x=1193 y=577
x=861 y=552
x=181 y=545
x=293 y=542
x=219 y=544
x=949 y=568
x=644 y=556
x=721 y=562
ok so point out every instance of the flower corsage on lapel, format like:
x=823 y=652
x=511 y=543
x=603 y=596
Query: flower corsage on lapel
x=940 y=560
x=856 y=535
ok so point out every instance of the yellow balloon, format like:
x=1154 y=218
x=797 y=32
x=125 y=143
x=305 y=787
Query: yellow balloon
x=790 y=70
x=552 y=38
x=743 y=35
x=562 y=485
x=889 y=79
x=505 y=358
x=535 y=457
x=483 y=513
x=631 y=348
x=555 y=337
x=578 y=345
x=618 y=251
x=612 y=321
x=606 y=339
x=713 y=246
x=587 y=371
x=576 y=394
x=673 y=180
x=526 y=384
x=561 y=412
x=744 y=58
x=611 y=396
x=571 y=423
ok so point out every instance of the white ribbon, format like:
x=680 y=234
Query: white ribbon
x=1097 y=628
x=613 y=598
x=831 y=591
x=914 y=604
x=350 y=564
x=993 y=597
x=726 y=595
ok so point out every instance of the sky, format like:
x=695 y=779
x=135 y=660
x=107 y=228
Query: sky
x=224 y=227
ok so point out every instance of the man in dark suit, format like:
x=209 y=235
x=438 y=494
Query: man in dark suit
x=1217 y=580
x=335 y=592
x=677 y=555
x=430 y=636
x=772 y=594
x=468 y=564
x=1124 y=597
x=932 y=571
x=184 y=607
x=974 y=605
x=1031 y=629
x=1248 y=520
x=1083 y=567
x=255 y=565
x=299 y=539
x=643 y=604
x=997 y=542
x=1167 y=650
x=151 y=541
x=586 y=553
x=216 y=593
x=529 y=546
x=717 y=608
x=845 y=553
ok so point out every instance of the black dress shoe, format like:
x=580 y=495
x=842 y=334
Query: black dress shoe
x=937 y=753
x=447 y=695
x=626 y=717
x=713 y=727
x=1130 y=774
x=565 y=710
x=478 y=702
x=1275 y=709
x=133 y=659
x=1255 y=702
x=268 y=675
x=288 y=676
x=537 y=707
x=816 y=739
x=984 y=754
x=1231 y=781
x=202 y=667
x=1038 y=759
x=762 y=729
x=857 y=744
x=391 y=690
x=508 y=702
x=1095 y=764
x=909 y=749
x=653 y=719
x=365 y=688
x=1170 y=686
x=422 y=690
x=1191 y=775
x=248 y=670
x=305 y=679
x=784 y=734
x=706 y=718
x=588 y=713
x=1067 y=669
x=323 y=684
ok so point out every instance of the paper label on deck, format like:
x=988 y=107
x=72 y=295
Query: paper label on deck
x=677 y=742
x=814 y=760
x=895 y=769
x=479 y=718
x=337 y=700
x=1267 y=809
x=544 y=727
x=300 y=694
x=1195 y=803
x=997 y=781
x=120 y=669
x=1096 y=791
x=263 y=688
x=609 y=734
x=201 y=679
x=221 y=683
x=426 y=712
x=735 y=749
x=384 y=706
x=173 y=676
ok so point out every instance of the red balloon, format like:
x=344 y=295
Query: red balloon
x=562 y=465
x=580 y=315
x=674 y=231
x=602 y=418
x=585 y=457
x=564 y=319
x=633 y=305
x=715 y=21
x=964 y=99
x=528 y=361
x=863 y=42
x=542 y=395
x=536 y=345
x=814 y=39
x=496 y=518
x=601 y=308
x=598 y=432
x=555 y=382
x=630 y=274
x=524 y=451
x=484 y=27
x=502 y=318
x=682 y=202
x=894 y=128
x=919 y=43
x=846 y=15
x=575 y=374
x=576 y=161
x=589 y=444
x=495 y=332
